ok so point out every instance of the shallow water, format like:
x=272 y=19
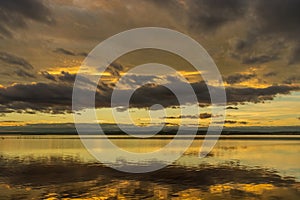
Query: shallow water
x=59 y=167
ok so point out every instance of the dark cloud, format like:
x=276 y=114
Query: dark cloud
x=15 y=60
x=48 y=76
x=278 y=17
x=237 y=78
x=83 y=54
x=270 y=74
x=56 y=97
x=201 y=116
x=205 y=115
x=241 y=45
x=69 y=53
x=114 y=69
x=49 y=98
x=292 y=79
x=230 y=122
x=256 y=49
x=24 y=74
x=271 y=18
x=64 y=51
x=67 y=77
x=4 y=33
x=211 y=14
x=207 y=15
x=256 y=95
x=152 y=94
x=235 y=122
x=184 y=117
x=259 y=59
x=231 y=108
x=270 y=26
x=295 y=57
x=14 y=13
x=133 y=80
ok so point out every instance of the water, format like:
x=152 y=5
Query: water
x=59 y=167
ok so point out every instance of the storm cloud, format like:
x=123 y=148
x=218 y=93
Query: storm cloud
x=279 y=17
x=64 y=51
x=237 y=78
x=201 y=116
x=24 y=74
x=15 y=60
x=14 y=13
x=208 y=15
x=68 y=52
x=259 y=59
x=264 y=31
x=56 y=97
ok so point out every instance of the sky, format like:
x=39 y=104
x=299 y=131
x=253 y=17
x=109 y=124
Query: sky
x=255 y=45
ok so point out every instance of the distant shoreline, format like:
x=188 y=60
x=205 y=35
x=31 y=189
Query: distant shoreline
x=118 y=133
x=235 y=136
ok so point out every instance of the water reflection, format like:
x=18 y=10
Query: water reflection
x=60 y=168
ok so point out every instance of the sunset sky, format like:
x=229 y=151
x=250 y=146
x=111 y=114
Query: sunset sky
x=255 y=45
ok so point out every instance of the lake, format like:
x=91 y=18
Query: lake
x=239 y=167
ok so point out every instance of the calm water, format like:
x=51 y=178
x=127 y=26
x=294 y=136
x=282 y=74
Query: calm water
x=56 y=167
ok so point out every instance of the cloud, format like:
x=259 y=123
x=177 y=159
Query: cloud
x=5 y=33
x=230 y=122
x=269 y=74
x=231 y=108
x=15 y=13
x=151 y=94
x=200 y=116
x=64 y=51
x=259 y=59
x=235 y=122
x=56 y=97
x=209 y=15
x=292 y=79
x=46 y=75
x=237 y=78
x=67 y=77
x=49 y=98
x=133 y=80
x=256 y=95
x=114 y=69
x=205 y=15
x=182 y=117
x=24 y=74
x=83 y=54
x=253 y=19
x=205 y=115
x=270 y=29
x=278 y=17
x=295 y=56
x=15 y=60
x=69 y=53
